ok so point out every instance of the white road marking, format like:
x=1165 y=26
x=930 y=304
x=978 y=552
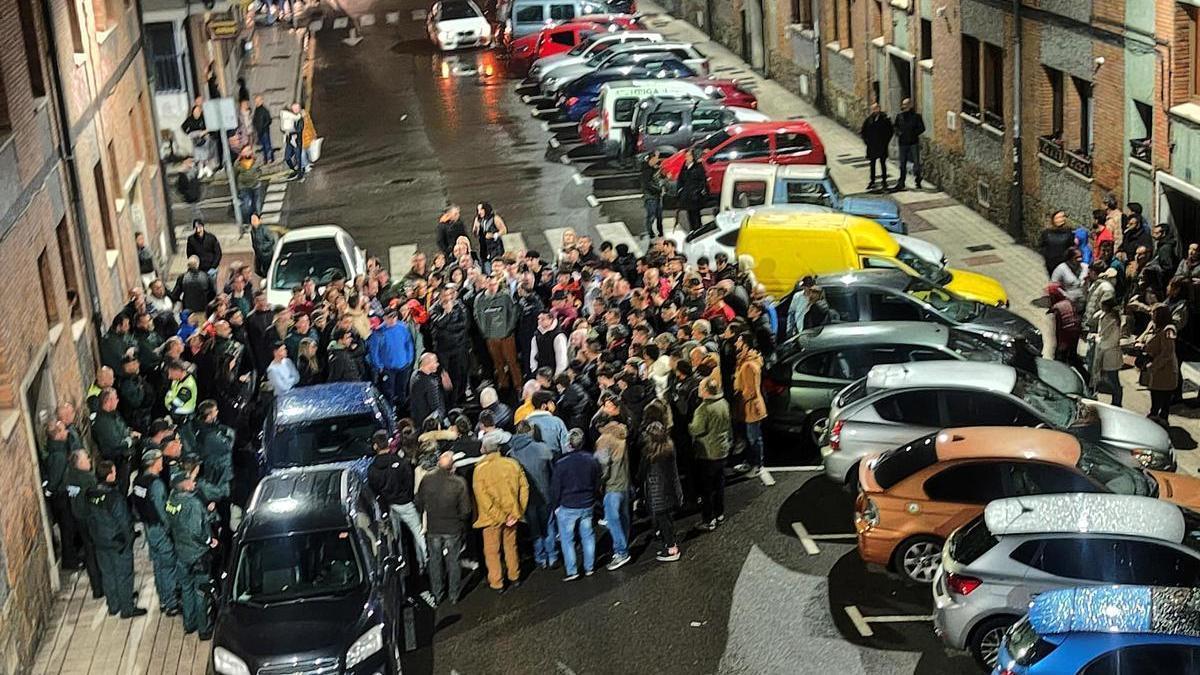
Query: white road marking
x=316 y=26
x=616 y=198
x=513 y=241
x=554 y=236
x=806 y=540
x=525 y=98
x=540 y=112
x=400 y=259
x=366 y=20
x=831 y=537
x=554 y=142
x=271 y=207
x=815 y=467
x=863 y=623
x=578 y=178
x=564 y=160
x=545 y=126
x=340 y=23
x=592 y=201
x=277 y=187
x=856 y=618
x=392 y=17
x=270 y=219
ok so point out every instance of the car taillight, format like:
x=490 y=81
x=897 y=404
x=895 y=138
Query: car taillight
x=572 y=101
x=962 y=585
x=866 y=513
x=641 y=143
x=835 y=436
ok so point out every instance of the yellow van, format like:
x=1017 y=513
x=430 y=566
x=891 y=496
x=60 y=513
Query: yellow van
x=787 y=246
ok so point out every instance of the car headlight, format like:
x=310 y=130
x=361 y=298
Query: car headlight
x=226 y=663
x=366 y=645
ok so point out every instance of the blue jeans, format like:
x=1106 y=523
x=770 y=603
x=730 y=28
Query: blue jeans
x=654 y=216
x=393 y=384
x=268 y=151
x=754 y=444
x=543 y=529
x=567 y=518
x=249 y=202
x=407 y=514
x=293 y=156
x=910 y=153
x=615 y=514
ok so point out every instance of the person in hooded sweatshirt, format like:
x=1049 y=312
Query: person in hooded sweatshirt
x=614 y=476
x=390 y=476
x=535 y=458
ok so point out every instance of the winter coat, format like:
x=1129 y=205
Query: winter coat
x=501 y=413
x=207 y=248
x=576 y=481
x=391 y=479
x=450 y=329
x=1108 y=343
x=390 y=348
x=554 y=431
x=660 y=485
x=909 y=127
x=693 y=185
x=711 y=429
x=501 y=490
x=345 y=365
x=448 y=232
x=425 y=397
x=444 y=499
x=613 y=458
x=247 y=176
x=1163 y=371
x=747 y=383
x=194 y=290
x=262 y=240
x=495 y=314
x=537 y=461
x=1053 y=246
x=574 y=406
x=876 y=132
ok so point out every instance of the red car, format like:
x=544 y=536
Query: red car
x=730 y=94
x=553 y=40
x=614 y=22
x=782 y=142
x=589 y=127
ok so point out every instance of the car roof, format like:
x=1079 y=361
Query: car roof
x=783 y=126
x=979 y=375
x=834 y=220
x=300 y=500
x=313 y=232
x=638 y=45
x=804 y=171
x=322 y=401
x=1086 y=513
x=884 y=278
x=1045 y=445
x=1117 y=609
x=833 y=335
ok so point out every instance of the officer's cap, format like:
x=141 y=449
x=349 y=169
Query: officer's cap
x=150 y=456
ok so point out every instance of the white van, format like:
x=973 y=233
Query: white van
x=619 y=98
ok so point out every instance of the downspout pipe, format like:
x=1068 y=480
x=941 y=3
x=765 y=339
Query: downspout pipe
x=1016 y=197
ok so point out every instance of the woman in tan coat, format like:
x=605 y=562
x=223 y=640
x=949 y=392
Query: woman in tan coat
x=751 y=408
x=1163 y=371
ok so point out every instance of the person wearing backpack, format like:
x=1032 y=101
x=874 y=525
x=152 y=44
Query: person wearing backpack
x=711 y=433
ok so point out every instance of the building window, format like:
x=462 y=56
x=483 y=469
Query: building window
x=1083 y=89
x=848 y=42
x=1140 y=147
x=76 y=32
x=160 y=38
x=106 y=218
x=993 y=80
x=48 y=299
x=802 y=13
x=33 y=57
x=842 y=24
x=116 y=170
x=1193 y=19
x=66 y=255
x=970 y=75
x=1054 y=78
x=877 y=19
x=926 y=39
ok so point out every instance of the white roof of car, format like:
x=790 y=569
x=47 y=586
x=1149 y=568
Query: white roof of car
x=313 y=232
x=950 y=374
x=1086 y=513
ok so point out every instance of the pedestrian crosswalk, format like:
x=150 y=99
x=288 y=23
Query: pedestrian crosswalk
x=272 y=208
x=361 y=21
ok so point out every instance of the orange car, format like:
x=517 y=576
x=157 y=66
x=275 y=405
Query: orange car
x=911 y=498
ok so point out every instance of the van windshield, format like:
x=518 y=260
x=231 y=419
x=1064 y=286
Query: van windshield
x=713 y=141
x=322 y=441
x=928 y=271
x=297 y=566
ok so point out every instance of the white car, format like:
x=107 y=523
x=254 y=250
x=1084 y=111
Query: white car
x=319 y=252
x=455 y=24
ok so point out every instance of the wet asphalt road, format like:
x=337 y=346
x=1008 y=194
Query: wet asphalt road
x=407 y=131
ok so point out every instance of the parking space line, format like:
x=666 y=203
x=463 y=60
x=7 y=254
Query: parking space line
x=592 y=201
x=863 y=623
x=614 y=198
x=806 y=540
x=400 y=259
x=860 y=623
x=563 y=159
x=814 y=467
x=766 y=477
x=554 y=142
x=539 y=112
x=578 y=178
x=392 y=17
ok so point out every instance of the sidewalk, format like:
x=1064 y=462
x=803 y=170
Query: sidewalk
x=969 y=240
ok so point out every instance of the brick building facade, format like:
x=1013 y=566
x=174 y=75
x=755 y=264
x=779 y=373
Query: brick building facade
x=61 y=273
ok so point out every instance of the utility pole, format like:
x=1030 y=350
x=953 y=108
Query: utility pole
x=1016 y=195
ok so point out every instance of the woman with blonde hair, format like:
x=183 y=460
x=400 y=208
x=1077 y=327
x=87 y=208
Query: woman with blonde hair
x=307 y=362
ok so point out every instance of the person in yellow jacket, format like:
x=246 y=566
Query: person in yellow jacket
x=501 y=494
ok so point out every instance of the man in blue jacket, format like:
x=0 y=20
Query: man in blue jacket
x=574 y=485
x=390 y=353
x=554 y=431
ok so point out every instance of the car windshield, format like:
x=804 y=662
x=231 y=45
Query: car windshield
x=306 y=259
x=583 y=45
x=953 y=308
x=1120 y=477
x=975 y=348
x=894 y=466
x=457 y=10
x=1191 y=529
x=927 y=270
x=296 y=566
x=1051 y=404
x=321 y=441
x=597 y=59
x=713 y=141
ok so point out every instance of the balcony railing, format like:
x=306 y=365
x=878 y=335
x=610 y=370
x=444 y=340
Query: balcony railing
x=1079 y=162
x=1139 y=149
x=1051 y=146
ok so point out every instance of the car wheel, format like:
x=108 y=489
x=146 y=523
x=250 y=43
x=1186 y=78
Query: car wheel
x=917 y=558
x=815 y=426
x=984 y=642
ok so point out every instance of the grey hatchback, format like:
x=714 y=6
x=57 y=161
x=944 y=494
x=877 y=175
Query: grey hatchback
x=813 y=366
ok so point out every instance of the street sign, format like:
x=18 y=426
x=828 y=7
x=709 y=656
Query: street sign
x=223 y=29
x=220 y=113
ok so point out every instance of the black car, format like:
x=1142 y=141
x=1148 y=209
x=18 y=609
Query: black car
x=315 y=582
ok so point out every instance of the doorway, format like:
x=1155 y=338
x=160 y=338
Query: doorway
x=753 y=47
x=899 y=81
x=40 y=400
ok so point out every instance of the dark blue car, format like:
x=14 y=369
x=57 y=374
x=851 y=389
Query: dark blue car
x=580 y=96
x=324 y=424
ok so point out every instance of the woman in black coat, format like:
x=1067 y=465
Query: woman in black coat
x=660 y=487
x=693 y=188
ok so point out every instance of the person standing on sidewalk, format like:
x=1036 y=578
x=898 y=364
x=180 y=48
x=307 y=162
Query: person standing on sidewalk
x=262 y=240
x=248 y=177
x=444 y=501
x=262 y=129
x=55 y=462
x=190 y=530
x=711 y=433
x=909 y=127
x=536 y=459
x=150 y=502
x=206 y=247
x=501 y=495
x=112 y=532
x=390 y=476
x=496 y=317
x=693 y=188
x=291 y=120
x=661 y=488
x=573 y=490
x=651 y=181
x=876 y=133
x=752 y=408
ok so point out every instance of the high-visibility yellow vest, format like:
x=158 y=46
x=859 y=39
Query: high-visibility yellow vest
x=182 y=397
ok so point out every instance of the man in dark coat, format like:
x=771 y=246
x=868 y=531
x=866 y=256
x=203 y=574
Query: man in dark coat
x=693 y=188
x=346 y=362
x=262 y=129
x=876 y=132
x=425 y=393
x=1055 y=240
x=909 y=127
x=651 y=183
x=449 y=322
x=204 y=245
x=449 y=228
x=194 y=289
x=112 y=531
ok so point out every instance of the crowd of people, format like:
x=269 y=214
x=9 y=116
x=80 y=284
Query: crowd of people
x=1123 y=288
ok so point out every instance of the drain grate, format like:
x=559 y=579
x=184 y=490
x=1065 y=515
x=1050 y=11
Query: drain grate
x=401 y=181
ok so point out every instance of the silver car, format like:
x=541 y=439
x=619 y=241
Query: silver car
x=622 y=55
x=1022 y=546
x=583 y=51
x=894 y=404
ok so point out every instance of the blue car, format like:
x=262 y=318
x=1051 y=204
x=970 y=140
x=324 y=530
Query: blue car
x=1106 y=630
x=580 y=96
x=324 y=424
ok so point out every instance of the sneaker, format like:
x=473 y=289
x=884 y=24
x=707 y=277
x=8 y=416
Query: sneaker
x=721 y=518
x=667 y=556
x=742 y=468
x=468 y=564
x=429 y=599
x=588 y=573
x=617 y=562
x=602 y=522
x=571 y=577
x=709 y=526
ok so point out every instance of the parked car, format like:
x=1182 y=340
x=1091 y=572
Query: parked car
x=545 y=67
x=727 y=91
x=318 y=251
x=783 y=142
x=618 y=100
x=896 y=403
x=589 y=126
x=893 y=295
x=626 y=54
x=673 y=123
x=518 y=18
x=316 y=581
x=557 y=39
x=911 y=498
x=749 y=185
x=455 y=24
x=322 y=424
x=1106 y=630
x=1021 y=547
x=580 y=95
x=816 y=364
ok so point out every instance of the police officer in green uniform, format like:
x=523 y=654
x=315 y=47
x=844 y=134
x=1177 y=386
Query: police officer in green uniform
x=180 y=400
x=65 y=413
x=215 y=443
x=105 y=378
x=54 y=472
x=114 y=439
x=137 y=398
x=150 y=502
x=112 y=532
x=188 y=523
x=77 y=480
x=117 y=342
